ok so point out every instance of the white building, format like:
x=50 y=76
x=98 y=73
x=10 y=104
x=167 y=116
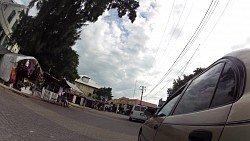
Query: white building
x=10 y=14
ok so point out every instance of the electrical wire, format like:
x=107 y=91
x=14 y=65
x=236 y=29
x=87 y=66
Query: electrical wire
x=190 y=42
x=199 y=44
x=158 y=47
x=181 y=70
x=175 y=29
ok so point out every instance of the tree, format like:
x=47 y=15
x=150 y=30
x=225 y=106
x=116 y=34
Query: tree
x=104 y=93
x=50 y=35
x=178 y=83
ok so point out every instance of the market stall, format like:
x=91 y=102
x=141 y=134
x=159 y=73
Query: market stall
x=20 y=71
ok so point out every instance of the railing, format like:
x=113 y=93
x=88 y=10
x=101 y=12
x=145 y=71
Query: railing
x=48 y=95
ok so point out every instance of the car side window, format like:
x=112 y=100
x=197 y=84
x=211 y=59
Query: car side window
x=165 y=111
x=200 y=92
x=225 y=92
x=143 y=109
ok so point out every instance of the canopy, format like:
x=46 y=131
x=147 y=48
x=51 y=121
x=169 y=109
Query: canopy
x=7 y=61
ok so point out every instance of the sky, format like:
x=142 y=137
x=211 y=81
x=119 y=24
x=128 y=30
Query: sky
x=124 y=56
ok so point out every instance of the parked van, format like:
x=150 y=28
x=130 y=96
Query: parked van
x=214 y=106
x=137 y=113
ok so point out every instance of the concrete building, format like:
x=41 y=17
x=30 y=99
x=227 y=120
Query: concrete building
x=10 y=14
x=89 y=88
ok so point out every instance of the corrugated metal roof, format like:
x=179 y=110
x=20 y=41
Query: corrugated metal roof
x=90 y=83
x=74 y=87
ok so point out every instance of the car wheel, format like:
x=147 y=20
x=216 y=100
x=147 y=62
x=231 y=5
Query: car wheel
x=130 y=119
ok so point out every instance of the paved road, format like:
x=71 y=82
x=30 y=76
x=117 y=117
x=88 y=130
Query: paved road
x=24 y=118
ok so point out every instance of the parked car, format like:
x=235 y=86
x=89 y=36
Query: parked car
x=127 y=112
x=137 y=113
x=213 y=106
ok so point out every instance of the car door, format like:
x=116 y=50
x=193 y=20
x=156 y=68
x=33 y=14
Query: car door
x=150 y=126
x=202 y=111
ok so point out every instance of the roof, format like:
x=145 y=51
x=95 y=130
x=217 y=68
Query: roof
x=18 y=57
x=74 y=87
x=91 y=82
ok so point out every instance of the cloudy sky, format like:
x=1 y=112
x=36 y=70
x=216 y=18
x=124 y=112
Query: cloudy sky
x=169 y=38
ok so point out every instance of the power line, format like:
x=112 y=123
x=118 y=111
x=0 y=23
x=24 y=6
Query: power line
x=182 y=69
x=206 y=20
x=165 y=28
x=175 y=28
x=192 y=39
x=158 y=47
x=217 y=21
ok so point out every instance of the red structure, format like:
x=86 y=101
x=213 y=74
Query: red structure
x=132 y=102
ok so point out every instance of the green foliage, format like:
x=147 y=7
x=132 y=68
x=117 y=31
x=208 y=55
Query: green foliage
x=178 y=83
x=103 y=93
x=50 y=35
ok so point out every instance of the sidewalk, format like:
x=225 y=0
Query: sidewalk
x=36 y=97
x=15 y=91
x=73 y=105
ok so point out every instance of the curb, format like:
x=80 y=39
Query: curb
x=15 y=91
x=30 y=96
x=78 y=106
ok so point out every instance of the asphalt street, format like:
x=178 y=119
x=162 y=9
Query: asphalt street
x=23 y=118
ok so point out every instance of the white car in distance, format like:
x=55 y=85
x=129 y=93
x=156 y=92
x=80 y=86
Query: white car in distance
x=137 y=113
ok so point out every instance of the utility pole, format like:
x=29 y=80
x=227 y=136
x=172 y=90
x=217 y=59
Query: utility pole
x=142 y=89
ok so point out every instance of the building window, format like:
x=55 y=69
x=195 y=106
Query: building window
x=14 y=25
x=1 y=34
x=21 y=14
x=11 y=16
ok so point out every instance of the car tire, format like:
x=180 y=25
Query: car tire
x=130 y=119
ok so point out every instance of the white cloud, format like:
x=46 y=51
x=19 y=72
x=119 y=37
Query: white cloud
x=115 y=53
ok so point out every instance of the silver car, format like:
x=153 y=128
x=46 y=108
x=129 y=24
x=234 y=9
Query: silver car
x=214 y=106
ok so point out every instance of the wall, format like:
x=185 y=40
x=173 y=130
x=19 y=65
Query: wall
x=7 y=27
x=86 y=89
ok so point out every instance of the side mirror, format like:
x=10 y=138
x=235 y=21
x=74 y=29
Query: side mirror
x=149 y=112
